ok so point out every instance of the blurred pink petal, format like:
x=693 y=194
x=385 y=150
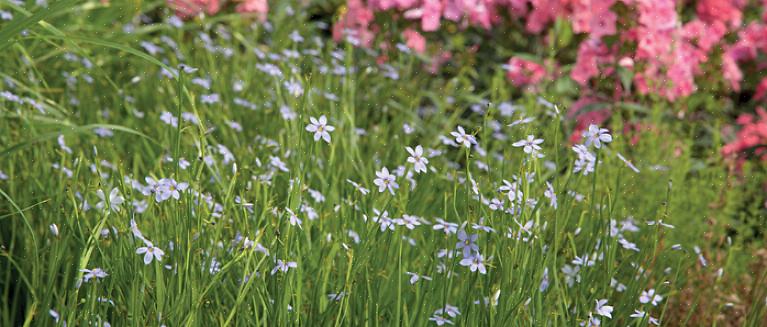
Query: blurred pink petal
x=414 y=40
x=186 y=9
x=260 y=7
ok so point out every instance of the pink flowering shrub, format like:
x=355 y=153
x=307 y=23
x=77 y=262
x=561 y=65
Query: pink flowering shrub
x=667 y=46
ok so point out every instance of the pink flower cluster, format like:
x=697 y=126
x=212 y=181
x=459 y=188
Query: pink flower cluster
x=750 y=140
x=663 y=43
x=188 y=9
x=523 y=72
x=669 y=56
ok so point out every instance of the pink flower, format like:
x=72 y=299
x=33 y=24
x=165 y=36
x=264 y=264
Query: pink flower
x=414 y=40
x=405 y=4
x=591 y=54
x=761 y=89
x=681 y=67
x=453 y=10
x=707 y=35
x=682 y=80
x=524 y=72
x=432 y=11
x=721 y=11
x=355 y=24
x=186 y=9
x=750 y=40
x=544 y=11
x=652 y=43
x=382 y=4
x=594 y=17
x=731 y=71
x=481 y=12
x=751 y=138
x=260 y=7
x=753 y=37
x=657 y=14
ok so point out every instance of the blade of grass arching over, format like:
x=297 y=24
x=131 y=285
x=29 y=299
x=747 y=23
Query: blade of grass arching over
x=59 y=33
x=51 y=106
x=85 y=129
x=68 y=41
x=113 y=45
x=35 y=249
x=21 y=23
x=24 y=209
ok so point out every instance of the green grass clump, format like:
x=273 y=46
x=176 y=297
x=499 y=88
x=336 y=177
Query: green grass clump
x=161 y=175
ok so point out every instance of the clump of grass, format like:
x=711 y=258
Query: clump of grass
x=236 y=176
